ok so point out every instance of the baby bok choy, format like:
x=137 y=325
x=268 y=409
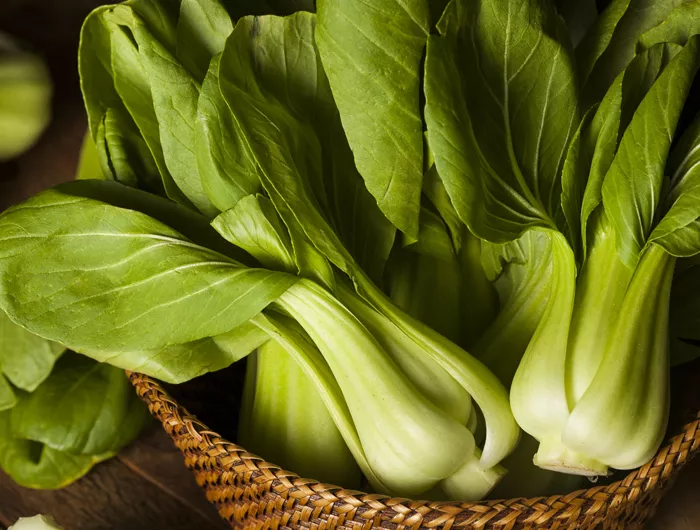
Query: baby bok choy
x=520 y=151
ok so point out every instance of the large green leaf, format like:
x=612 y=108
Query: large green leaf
x=283 y=107
x=161 y=18
x=254 y=225
x=101 y=278
x=202 y=30
x=84 y=407
x=25 y=359
x=227 y=167
x=500 y=107
x=679 y=230
x=632 y=187
x=183 y=362
x=94 y=56
x=611 y=119
x=379 y=105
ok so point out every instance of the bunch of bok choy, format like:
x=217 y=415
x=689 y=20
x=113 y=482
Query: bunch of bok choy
x=352 y=194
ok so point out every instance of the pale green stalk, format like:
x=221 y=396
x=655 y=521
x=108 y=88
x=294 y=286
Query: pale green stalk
x=484 y=388
x=600 y=289
x=409 y=442
x=287 y=422
x=428 y=376
x=307 y=356
x=472 y=482
x=538 y=393
x=621 y=418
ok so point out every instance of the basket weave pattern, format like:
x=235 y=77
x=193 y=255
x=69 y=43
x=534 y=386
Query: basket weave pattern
x=252 y=494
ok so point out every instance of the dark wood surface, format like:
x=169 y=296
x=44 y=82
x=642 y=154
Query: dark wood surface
x=147 y=486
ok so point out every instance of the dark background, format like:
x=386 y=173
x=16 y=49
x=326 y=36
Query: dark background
x=147 y=486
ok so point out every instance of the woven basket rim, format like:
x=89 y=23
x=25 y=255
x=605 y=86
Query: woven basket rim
x=218 y=460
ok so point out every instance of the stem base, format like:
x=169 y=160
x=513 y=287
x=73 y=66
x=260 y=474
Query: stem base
x=555 y=456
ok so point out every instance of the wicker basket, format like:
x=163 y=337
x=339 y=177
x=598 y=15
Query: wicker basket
x=253 y=494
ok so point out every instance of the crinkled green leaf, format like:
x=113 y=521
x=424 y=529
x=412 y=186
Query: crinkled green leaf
x=84 y=407
x=632 y=187
x=173 y=95
x=501 y=92
x=101 y=278
x=25 y=359
x=379 y=106
x=33 y=465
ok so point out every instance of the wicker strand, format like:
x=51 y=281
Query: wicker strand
x=252 y=494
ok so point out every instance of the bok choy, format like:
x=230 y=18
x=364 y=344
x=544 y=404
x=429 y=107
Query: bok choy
x=397 y=212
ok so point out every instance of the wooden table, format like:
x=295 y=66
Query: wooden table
x=147 y=486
